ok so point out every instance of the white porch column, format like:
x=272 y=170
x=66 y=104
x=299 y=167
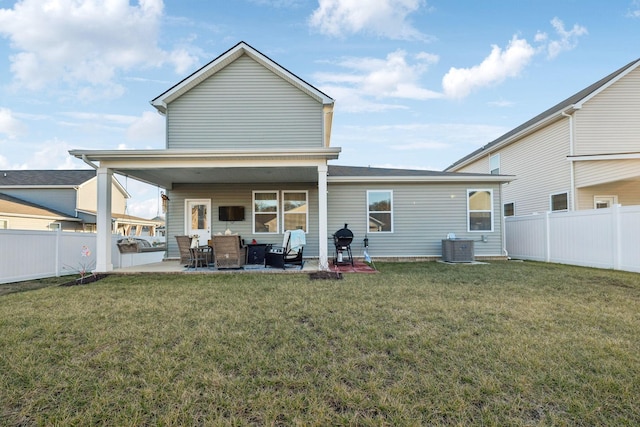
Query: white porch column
x=103 y=221
x=323 y=260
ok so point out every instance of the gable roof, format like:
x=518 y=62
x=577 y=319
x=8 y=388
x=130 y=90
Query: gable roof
x=45 y=178
x=572 y=103
x=160 y=102
x=70 y=178
x=14 y=206
x=338 y=173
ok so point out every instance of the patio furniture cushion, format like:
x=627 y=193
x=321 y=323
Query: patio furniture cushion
x=229 y=251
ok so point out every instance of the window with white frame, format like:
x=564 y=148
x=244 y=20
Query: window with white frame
x=4 y=224
x=560 y=202
x=380 y=211
x=295 y=208
x=494 y=164
x=509 y=209
x=265 y=212
x=480 y=210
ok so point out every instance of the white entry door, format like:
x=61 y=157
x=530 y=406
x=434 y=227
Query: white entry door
x=198 y=219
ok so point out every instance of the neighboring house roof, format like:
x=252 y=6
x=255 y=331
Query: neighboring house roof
x=13 y=206
x=573 y=102
x=45 y=178
x=69 y=178
x=368 y=174
x=242 y=48
x=128 y=219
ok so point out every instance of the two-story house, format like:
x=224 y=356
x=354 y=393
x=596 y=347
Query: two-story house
x=62 y=200
x=582 y=153
x=248 y=150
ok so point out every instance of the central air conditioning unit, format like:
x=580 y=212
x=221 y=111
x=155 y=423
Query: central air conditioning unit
x=457 y=250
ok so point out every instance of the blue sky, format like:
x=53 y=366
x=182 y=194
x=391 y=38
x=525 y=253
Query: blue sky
x=417 y=83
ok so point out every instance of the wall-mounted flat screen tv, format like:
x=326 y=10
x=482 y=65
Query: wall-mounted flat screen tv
x=231 y=213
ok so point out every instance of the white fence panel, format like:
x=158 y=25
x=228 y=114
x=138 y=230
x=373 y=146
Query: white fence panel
x=524 y=237
x=34 y=254
x=582 y=238
x=602 y=238
x=24 y=255
x=629 y=246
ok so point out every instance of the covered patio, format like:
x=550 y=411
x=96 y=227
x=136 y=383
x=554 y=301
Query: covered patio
x=202 y=169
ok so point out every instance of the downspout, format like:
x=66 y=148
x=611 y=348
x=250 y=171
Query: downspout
x=89 y=162
x=571 y=165
x=504 y=224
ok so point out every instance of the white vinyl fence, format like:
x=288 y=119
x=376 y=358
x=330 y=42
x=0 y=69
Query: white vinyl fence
x=602 y=238
x=34 y=254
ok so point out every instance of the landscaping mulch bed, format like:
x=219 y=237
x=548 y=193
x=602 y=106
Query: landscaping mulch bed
x=85 y=280
x=325 y=275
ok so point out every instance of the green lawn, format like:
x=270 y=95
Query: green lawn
x=508 y=343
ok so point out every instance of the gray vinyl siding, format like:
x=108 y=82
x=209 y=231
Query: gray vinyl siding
x=610 y=121
x=605 y=171
x=423 y=215
x=244 y=106
x=479 y=166
x=627 y=191
x=539 y=163
x=22 y=223
x=59 y=199
x=236 y=195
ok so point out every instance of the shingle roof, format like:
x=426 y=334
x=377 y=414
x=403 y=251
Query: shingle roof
x=13 y=205
x=561 y=106
x=36 y=178
x=359 y=171
x=221 y=61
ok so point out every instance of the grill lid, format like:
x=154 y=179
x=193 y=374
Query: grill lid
x=343 y=237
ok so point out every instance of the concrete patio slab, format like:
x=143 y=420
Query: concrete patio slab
x=175 y=266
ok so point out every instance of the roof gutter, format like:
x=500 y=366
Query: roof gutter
x=440 y=179
x=89 y=162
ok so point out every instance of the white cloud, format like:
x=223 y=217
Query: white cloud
x=421 y=145
x=4 y=163
x=149 y=128
x=634 y=9
x=373 y=78
x=279 y=3
x=422 y=136
x=9 y=125
x=349 y=100
x=568 y=39
x=501 y=103
x=84 y=43
x=500 y=64
x=147 y=208
x=52 y=154
x=385 y=18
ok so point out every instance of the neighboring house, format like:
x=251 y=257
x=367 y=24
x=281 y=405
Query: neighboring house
x=19 y=214
x=61 y=199
x=583 y=153
x=250 y=141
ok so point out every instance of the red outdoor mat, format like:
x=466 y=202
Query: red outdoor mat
x=358 y=267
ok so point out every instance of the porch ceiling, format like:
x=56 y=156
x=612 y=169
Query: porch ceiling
x=167 y=177
x=168 y=167
x=627 y=181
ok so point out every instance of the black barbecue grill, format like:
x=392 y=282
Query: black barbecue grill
x=342 y=240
